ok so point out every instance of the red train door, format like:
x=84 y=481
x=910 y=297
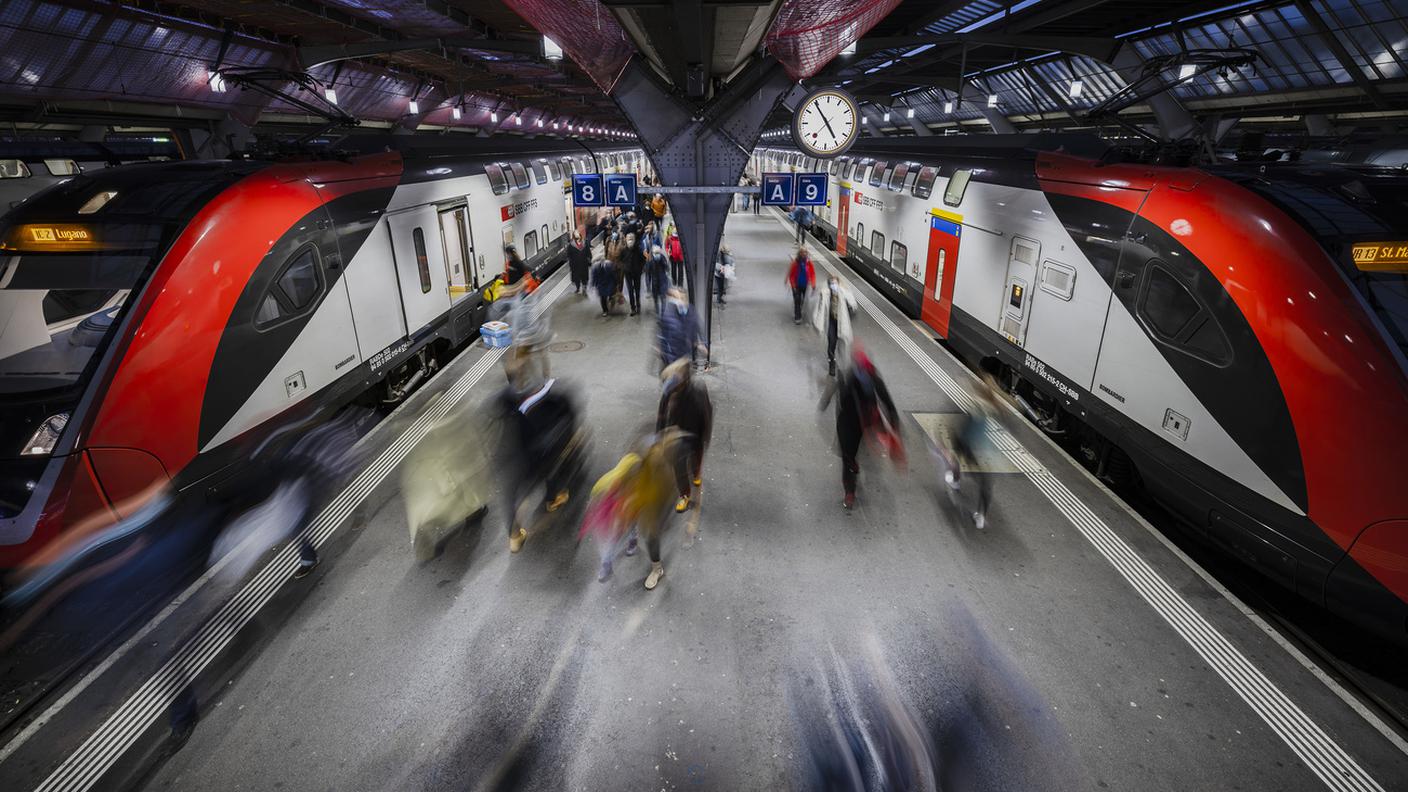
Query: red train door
x=945 y=228
x=843 y=217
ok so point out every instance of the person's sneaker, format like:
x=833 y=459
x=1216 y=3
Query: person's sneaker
x=682 y=504
x=652 y=580
x=979 y=519
x=849 y=502
x=605 y=314
x=698 y=480
x=559 y=501
x=632 y=546
x=516 y=540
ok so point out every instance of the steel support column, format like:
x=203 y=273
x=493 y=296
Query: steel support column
x=700 y=145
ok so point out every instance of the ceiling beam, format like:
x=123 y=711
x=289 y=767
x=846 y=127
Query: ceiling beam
x=1341 y=54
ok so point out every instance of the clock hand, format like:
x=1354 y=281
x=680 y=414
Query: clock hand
x=827 y=123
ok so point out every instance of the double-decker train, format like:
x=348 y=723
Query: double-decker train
x=1231 y=337
x=155 y=317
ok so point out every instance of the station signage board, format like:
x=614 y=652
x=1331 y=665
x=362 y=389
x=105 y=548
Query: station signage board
x=810 y=189
x=777 y=189
x=620 y=189
x=586 y=189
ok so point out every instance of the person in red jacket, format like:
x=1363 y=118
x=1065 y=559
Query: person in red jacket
x=675 y=251
x=801 y=277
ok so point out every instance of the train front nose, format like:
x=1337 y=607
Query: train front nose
x=43 y=498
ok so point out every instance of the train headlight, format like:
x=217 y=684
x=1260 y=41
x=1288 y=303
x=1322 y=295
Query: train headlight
x=46 y=436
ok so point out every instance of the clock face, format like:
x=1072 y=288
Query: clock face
x=826 y=123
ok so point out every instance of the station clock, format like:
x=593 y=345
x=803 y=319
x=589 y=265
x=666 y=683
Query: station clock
x=826 y=123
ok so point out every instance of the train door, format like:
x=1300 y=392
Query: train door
x=843 y=218
x=420 y=266
x=459 y=255
x=945 y=228
x=1015 y=312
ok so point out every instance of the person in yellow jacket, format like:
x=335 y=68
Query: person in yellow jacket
x=637 y=493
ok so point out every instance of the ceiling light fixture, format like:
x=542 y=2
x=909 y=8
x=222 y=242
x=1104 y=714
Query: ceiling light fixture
x=413 y=108
x=330 y=95
x=909 y=113
x=948 y=107
x=887 y=116
x=217 y=83
x=493 y=117
x=1076 y=87
x=456 y=113
x=1187 y=70
x=550 y=49
x=849 y=49
x=992 y=100
x=518 y=120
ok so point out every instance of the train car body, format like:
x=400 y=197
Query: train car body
x=1228 y=330
x=160 y=319
x=30 y=166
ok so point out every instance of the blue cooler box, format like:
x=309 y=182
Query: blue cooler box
x=495 y=334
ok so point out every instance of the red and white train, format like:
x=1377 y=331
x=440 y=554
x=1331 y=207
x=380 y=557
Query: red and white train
x=1237 y=332
x=154 y=317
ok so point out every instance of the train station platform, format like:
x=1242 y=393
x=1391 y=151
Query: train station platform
x=1065 y=646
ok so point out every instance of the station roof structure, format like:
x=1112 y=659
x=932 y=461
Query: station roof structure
x=480 y=65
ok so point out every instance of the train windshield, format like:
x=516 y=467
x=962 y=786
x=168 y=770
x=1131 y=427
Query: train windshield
x=1361 y=218
x=72 y=261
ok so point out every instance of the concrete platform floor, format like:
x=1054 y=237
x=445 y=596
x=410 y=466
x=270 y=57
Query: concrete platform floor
x=1032 y=660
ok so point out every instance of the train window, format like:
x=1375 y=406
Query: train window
x=835 y=167
x=860 y=234
x=422 y=260
x=540 y=172
x=877 y=243
x=899 y=256
x=554 y=172
x=910 y=178
x=877 y=174
x=497 y=181
x=546 y=237
x=13 y=169
x=957 y=185
x=924 y=185
x=520 y=175
x=293 y=291
x=897 y=176
x=1207 y=341
x=530 y=244
x=1176 y=317
x=569 y=166
x=860 y=174
x=62 y=167
x=1058 y=279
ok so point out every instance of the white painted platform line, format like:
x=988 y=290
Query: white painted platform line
x=1321 y=754
x=87 y=765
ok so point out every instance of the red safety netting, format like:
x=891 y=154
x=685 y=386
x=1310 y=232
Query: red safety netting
x=587 y=32
x=807 y=34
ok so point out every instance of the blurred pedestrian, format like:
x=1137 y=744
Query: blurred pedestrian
x=658 y=207
x=657 y=278
x=540 y=435
x=801 y=277
x=685 y=405
x=723 y=273
x=444 y=481
x=863 y=406
x=603 y=280
x=633 y=265
x=530 y=331
x=680 y=334
x=802 y=216
x=832 y=318
x=579 y=262
x=968 y=435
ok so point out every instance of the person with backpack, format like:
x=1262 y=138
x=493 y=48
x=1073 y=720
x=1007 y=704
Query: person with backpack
x=540 y=432
x=832 y=318
x=863 y=407
x=801 y=276
x=675 y=250
x=680 y=334
x=802 y=216
x=685 y=405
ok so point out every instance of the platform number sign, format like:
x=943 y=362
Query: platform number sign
x=586 y=189
x=620 y=189
x=811 y=189
x=777 y=189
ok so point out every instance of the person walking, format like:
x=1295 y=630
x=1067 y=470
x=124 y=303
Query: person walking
x=863 y=405
x=658 y=207
x=603 y=280
x=680 y=334
x=675 y=250
x=723 y=273
x=657 y=278
x=832 y=318
x=541 y=431
x=802 y=216
x=757 y=199
x=579 y=262
x=685 y=405
x=515 y=269
x=632 y=265
x=801 y=276
x=968 y=435
x=530 y=331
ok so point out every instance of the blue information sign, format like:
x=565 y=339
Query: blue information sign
x=586 y=189
x=620 y=189
x=811 y=189
x=777 y=189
